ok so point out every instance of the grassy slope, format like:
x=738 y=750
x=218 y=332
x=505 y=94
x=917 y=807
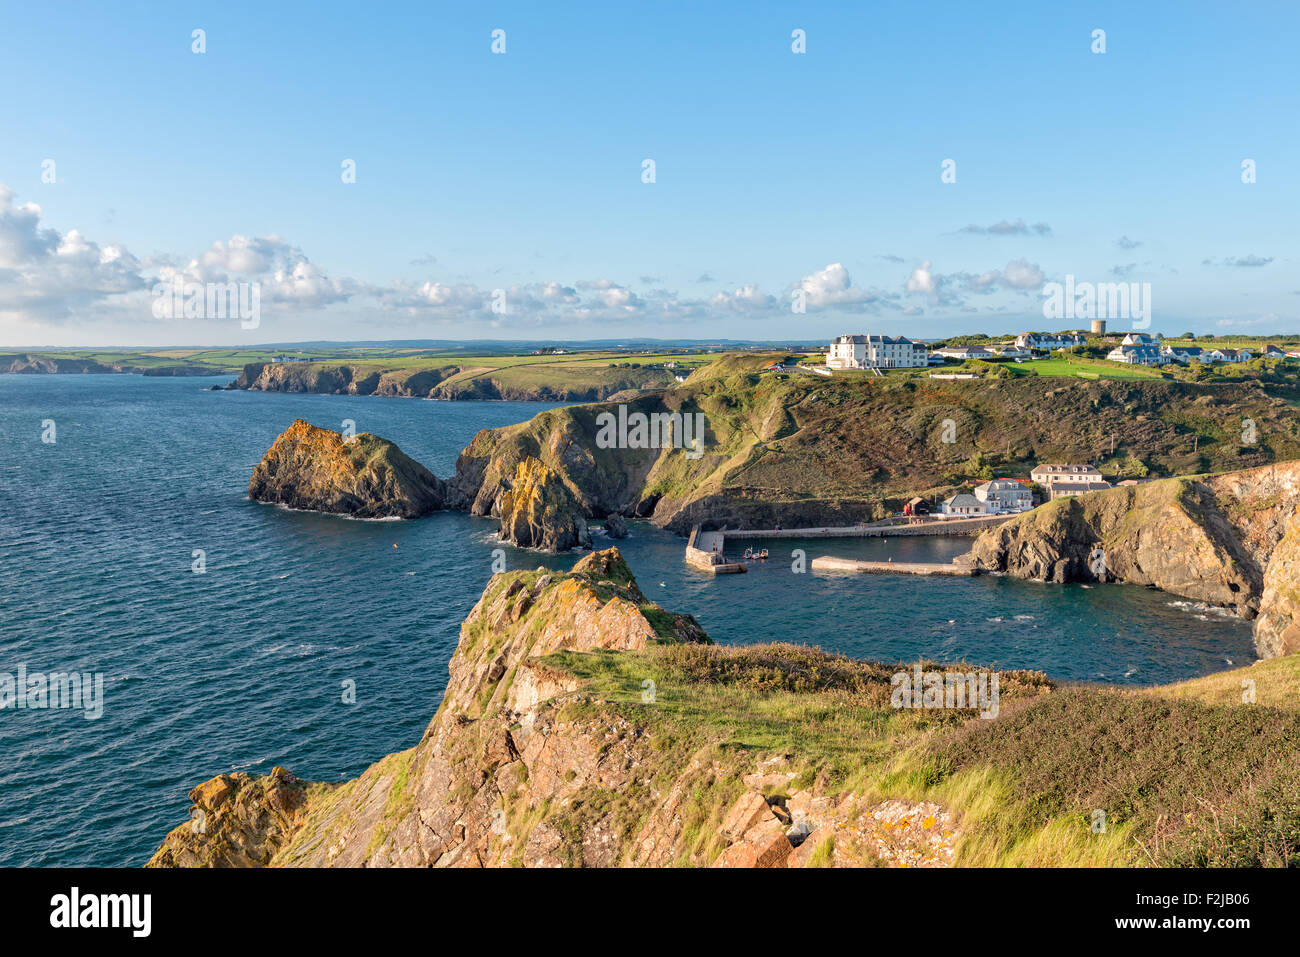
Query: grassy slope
x=1186 y=774
x=866 y=443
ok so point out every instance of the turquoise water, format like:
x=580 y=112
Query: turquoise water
x=241 y=667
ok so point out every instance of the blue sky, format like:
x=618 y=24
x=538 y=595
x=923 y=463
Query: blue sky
x=522 y=172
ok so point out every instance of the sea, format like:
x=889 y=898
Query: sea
x=235 y=636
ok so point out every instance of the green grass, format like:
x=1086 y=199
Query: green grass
x=1082 y=369
x=1186 y=775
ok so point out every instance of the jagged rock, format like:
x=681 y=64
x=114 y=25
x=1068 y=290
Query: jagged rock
x=1277 y=629
x=615 y=525
x=366 y=476
x=499 y=741
x=539 y=511
x=237 y=821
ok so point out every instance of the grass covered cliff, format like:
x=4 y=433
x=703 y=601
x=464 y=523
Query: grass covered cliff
x=800 y=449
x=513 y=378
x=585 y=726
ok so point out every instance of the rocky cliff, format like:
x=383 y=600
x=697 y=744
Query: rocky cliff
x=520 y=383
x=804 y=450
x=585 y=725
x=538 y=510
x=1230 y=540
x=365 y=476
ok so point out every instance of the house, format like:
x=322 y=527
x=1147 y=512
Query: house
x=1140 y=339
x=963 y=503
x=1057 y=490
x=1009 y=350
x=963 y=352
x=1212 y=355
x=1001 y=496
x=1062 y=481
x=1183 y=354
x=1236 y=355
x=1043 y=473
x=1050 y=341
x=1273 y=352
x=879 y=352
x=1138 y=355
x=916 y=507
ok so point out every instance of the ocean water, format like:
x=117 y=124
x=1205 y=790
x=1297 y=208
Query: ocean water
x=242 y=667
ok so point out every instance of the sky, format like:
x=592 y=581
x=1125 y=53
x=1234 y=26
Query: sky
x=920 y=170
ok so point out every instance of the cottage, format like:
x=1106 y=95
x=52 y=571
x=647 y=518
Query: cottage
x=1139 y=339
x=1009 y=350
x=963 y=352
x=1042 y=474
x=1050 y=341
x=1063 y=481
x=1003 y=496
x=1138 y=355
x=1183 y=354
x=964 y=504
x=1057 y=490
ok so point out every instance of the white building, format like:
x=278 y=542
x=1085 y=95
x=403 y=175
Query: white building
x=880 y=352
x=1043 y=473
x=1001 y=496
x=1139 y=355
x=1062 y=481
x=1139 y=339
x=1050 y=341
x=1183 y=354
x=964 y=504
x=1008 y=350
x=964 y=352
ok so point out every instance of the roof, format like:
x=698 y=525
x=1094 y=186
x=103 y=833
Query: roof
x=962 y=500
x=1078 y=486
x=1067 y=469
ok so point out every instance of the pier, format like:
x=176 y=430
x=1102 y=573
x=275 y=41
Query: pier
x=704 y=551
x=826 y=563
x=707 y=550
x=930 y=526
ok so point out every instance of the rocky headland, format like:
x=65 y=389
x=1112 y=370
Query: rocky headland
x=1230 y=540
x=583 y=725
x=364 y=476
x=452 y=382
x=801 y=450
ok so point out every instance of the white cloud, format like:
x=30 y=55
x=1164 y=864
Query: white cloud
x=921 y=280
x=832 y=287
x=47 y=275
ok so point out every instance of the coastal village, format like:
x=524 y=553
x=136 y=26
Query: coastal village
x=1047 y=481
x=972 y=507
